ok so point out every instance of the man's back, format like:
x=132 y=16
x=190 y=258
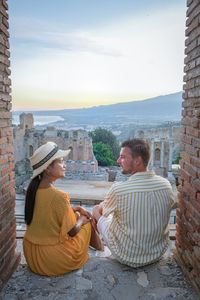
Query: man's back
x=141 y=209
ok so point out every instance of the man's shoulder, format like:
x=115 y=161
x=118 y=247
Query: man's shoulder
x=122 y=186
x=139 y=185
x=158 y=178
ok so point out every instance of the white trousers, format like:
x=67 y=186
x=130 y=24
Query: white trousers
x=102 y=226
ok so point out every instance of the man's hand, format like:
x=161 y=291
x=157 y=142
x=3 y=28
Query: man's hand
x=97 y=212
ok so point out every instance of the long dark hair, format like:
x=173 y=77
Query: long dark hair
x=30 y=198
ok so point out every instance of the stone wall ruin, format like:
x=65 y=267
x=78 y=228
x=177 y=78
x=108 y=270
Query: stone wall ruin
x=188 y=213
x=9 y=258
x=27 y=139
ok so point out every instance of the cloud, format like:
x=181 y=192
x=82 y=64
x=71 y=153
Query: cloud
x=43 y=36
x=129 y=59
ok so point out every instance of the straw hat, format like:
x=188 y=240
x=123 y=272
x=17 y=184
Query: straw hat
x=44 y=156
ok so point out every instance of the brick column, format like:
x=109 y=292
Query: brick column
x=187 y=251
x=9 y=259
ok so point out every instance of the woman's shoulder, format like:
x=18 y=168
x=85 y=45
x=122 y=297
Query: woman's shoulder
x=59 y=193
x=53 y=193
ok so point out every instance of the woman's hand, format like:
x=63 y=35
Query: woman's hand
x=81 y=221
x=82 y=211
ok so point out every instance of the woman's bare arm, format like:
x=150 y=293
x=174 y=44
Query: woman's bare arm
x=81 y=221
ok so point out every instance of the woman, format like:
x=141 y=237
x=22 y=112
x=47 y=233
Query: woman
x=57 y=238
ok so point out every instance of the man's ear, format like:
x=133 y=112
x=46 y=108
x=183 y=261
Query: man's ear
x=138 y=160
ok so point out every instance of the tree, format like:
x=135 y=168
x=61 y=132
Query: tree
x=103 y=154
x=107 y=137
x=177 y=158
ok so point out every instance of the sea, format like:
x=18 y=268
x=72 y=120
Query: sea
x=39 y=120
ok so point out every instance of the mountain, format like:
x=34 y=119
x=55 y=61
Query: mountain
x=157 y=109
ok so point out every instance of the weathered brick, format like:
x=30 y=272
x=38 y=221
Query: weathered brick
x=192 y=221
x=195 y=203
x=5 y=4
x=9 y=139
x=185 y=156
x=196 y=143
x=195 y=162
x=180 y=181
x=185 y=95
x=194 y=93
x=7 y=169
x=5 y=132
x=189 y=84
x=189 y=48
x=5 y=115
x=198 y=196
x=12 y=175
x=186 y=139
x=186 y=121
x=3 y=140
x=196 y=183
x=3 y=160
x=5 y=123
x=191 y=65
x=3 y=180
x=181 y=163
x=11 y=157
x=5 y=22
x=191 y=150
x=195 y=123
x=5 y=97
x=4 y=30
x=6 y=150
x=189 y=2
x=3 y=12
x=191 y=190
x=190 y=170
x=192 y=13
x=184 y=175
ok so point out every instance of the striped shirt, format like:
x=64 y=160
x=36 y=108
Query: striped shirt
x=138 y=233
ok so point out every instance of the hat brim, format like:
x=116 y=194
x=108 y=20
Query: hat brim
x=58 y=154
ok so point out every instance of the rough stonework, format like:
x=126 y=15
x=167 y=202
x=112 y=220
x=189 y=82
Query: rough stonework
x=9 y=258
x=27 y=139
x=165 y=146
x=188 y=213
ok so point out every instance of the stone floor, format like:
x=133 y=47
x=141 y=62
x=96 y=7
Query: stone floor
x=102 y=278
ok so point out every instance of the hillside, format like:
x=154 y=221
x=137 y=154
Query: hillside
x=158 y=109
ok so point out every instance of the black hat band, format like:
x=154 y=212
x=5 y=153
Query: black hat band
x=44 y=160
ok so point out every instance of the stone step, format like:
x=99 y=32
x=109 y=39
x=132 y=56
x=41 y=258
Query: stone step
x=21 y=230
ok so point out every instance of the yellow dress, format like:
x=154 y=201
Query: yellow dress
x=48 y=249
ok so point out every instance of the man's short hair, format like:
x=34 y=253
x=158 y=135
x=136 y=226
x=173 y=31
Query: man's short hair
x=138 y=147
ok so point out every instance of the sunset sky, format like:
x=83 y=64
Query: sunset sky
x=81 y=53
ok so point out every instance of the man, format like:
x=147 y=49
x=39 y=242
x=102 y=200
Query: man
x=133 y=218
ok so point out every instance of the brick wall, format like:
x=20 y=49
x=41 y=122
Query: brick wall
x=9 y=259
x=188 y=213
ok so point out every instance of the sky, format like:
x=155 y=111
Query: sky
x=83 y=53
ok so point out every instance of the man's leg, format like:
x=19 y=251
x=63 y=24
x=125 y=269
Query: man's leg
x=102 y=226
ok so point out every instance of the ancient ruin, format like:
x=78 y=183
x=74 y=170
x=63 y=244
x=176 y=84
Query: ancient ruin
x=165 y=147
x=188 y=213
x=27 y=139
